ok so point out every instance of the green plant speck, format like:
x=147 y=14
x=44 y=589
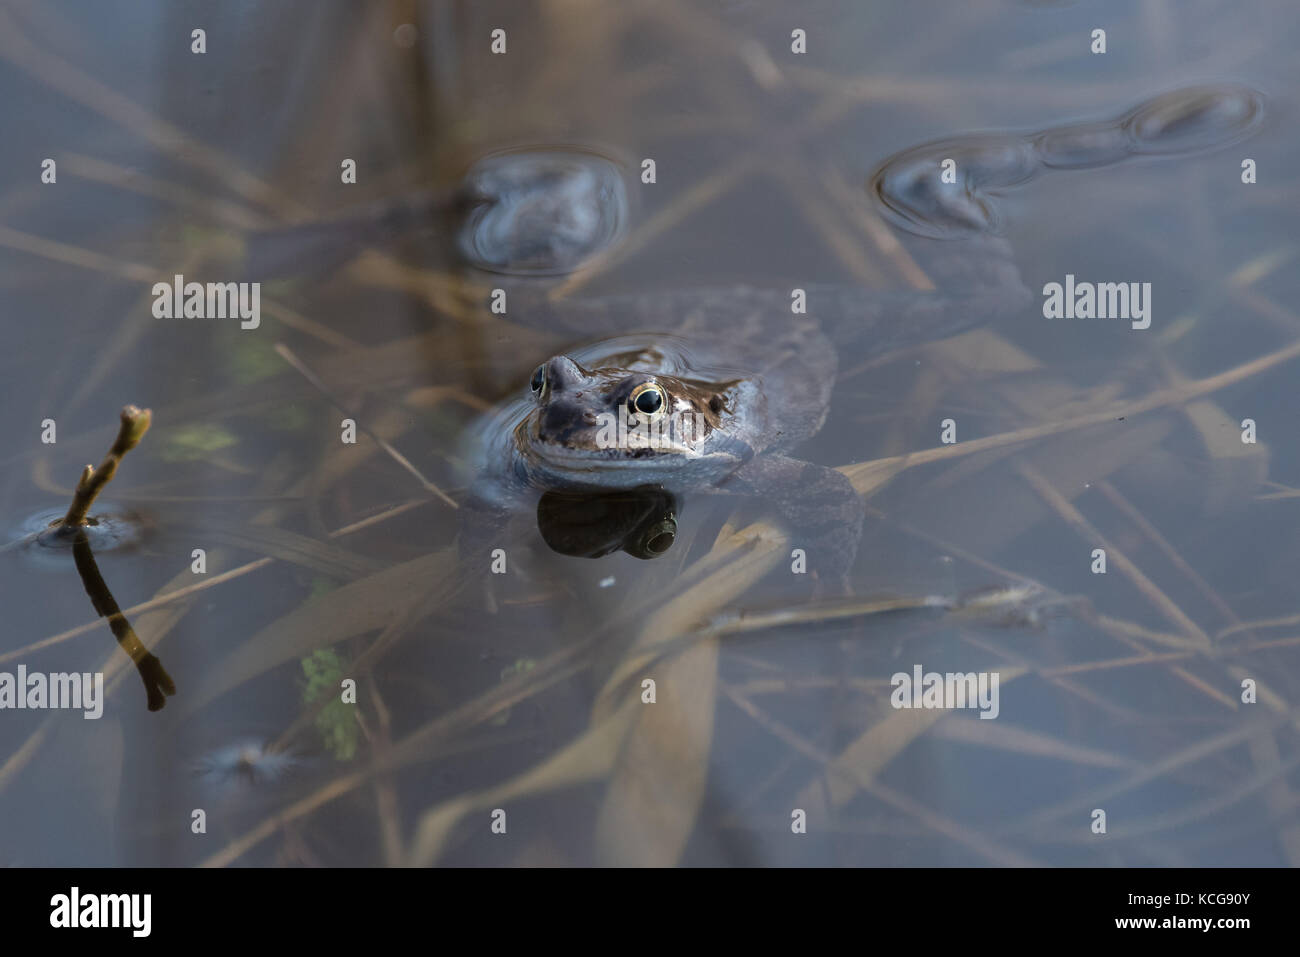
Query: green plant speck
x=252 y=360
x=288 y=418
x=519 y=667
x=325 y=670
x=195 y=442
x=319 y=586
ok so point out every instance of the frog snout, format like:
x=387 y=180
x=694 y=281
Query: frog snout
x=560 y=419
x=564 y=375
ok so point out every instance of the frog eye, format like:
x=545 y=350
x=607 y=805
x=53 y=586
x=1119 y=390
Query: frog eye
x=539 y=378
x=647 y=399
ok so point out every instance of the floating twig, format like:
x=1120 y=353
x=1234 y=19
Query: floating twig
x=135 y=423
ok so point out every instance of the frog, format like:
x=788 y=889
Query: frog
x=712 y=390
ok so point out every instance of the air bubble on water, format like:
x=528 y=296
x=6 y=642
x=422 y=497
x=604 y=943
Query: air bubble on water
x=405 y=35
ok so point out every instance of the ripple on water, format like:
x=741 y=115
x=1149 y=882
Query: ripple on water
x=542 y=212
x=910 y=191
x=111 y=528
x=910 y=186
x=1194 y=119
x=1083 y=146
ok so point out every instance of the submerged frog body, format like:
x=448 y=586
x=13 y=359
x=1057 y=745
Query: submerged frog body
x=713 y=394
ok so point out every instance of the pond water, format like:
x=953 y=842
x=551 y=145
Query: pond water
x=993 y=318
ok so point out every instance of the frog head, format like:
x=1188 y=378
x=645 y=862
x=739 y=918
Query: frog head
x=613 y=420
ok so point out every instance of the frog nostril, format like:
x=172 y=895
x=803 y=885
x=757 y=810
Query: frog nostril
x=562 y=373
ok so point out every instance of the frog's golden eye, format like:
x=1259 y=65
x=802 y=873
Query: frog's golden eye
x=539 y=378
x=647 y=399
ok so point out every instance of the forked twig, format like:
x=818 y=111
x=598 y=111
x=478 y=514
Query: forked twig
x=135 y=423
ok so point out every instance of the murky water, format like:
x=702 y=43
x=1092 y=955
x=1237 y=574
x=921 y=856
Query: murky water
x=1092 y=510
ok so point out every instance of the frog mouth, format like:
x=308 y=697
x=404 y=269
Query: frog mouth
x=568 y=448
x=560 y=449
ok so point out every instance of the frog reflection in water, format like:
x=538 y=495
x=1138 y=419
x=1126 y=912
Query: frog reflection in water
x=715 y=398
x=640 y=521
